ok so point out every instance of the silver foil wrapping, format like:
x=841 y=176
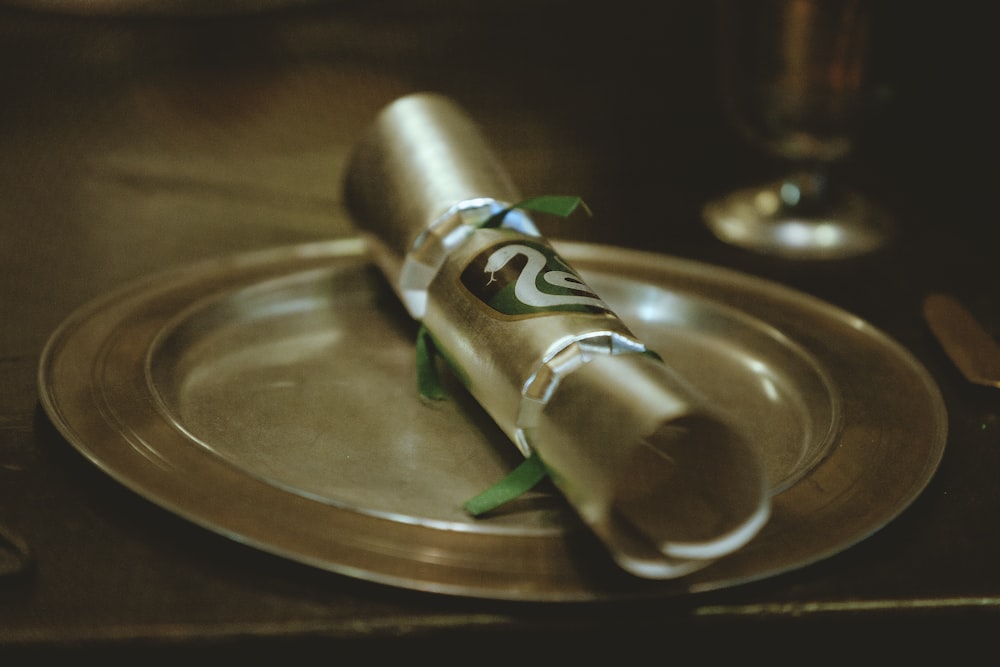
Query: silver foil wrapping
x=664 y=482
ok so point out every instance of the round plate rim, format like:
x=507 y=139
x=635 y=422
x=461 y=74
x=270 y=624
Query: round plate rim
x=591 y=578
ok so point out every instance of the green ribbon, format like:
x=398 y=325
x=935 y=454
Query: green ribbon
x=428 y=382
x=522 y=479
x=560 y=205
x=531 y=471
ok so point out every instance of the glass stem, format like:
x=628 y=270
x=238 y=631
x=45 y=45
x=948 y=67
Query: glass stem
x=808 y=191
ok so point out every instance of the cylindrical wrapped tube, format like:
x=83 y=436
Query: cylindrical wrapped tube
x=660 y=478
x=423 y=144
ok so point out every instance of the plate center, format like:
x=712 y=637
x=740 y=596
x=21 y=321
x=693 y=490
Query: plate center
x=308 y=382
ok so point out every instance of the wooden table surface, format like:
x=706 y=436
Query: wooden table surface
x=135 y=144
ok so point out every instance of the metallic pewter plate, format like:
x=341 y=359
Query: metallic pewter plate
x=271 y=398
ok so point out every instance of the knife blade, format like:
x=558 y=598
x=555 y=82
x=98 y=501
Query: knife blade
x=970 y=347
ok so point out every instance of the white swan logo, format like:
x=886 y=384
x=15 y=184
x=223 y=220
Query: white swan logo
x=525 y=278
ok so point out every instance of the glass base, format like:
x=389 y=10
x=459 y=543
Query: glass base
x=761 y=219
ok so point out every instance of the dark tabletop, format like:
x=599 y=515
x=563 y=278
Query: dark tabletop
x=135 y=144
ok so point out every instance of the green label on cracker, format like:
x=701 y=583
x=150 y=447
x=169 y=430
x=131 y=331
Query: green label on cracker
x=522 y=278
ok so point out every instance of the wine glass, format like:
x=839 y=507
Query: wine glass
x=792 y=77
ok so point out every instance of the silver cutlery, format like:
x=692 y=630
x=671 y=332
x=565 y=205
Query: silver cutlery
x=970 y=347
